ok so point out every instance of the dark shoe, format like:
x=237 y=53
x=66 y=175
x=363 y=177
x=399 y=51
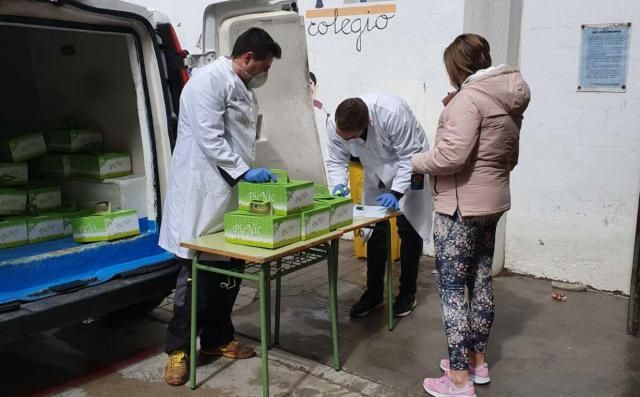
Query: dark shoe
x=404 y=305
x=233 y=349
x=176 y=373
x=365 y=305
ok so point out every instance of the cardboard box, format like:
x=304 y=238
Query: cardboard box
x=13 y=232
x=23 y=148
x=286 y=198
x=106 y=226
x=45 y=227
x=52 y=166
x=44 y=197
x=341 y=209
x=13 y=201
x=123 y=192
x=321 y=189
x=315 y=222
x=73 y=140
x=281 y=175
x=68 y=213
x=14 y=174
x=101 y=166
x=247 y=228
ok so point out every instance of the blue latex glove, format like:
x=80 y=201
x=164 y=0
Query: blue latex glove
x=388 y=200
x=341 y=191
x=259 y=175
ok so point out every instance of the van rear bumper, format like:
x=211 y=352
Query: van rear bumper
x=94 y=301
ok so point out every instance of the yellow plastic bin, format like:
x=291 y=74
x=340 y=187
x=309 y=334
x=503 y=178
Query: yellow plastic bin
x=356 y=177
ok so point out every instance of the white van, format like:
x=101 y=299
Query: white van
x=118 y=68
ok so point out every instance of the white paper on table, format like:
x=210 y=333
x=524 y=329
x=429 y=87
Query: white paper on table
x=370 y=211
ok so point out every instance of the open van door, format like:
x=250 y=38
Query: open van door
x=287 y=132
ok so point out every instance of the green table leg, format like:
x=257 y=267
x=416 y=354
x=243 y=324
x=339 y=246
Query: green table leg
x=264 y=332
x=194 y=322
x=333 y=301
x=387 y=231
x=276 y=332
x=267 y=280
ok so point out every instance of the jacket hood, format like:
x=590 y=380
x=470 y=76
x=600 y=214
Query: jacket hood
x=504 y=85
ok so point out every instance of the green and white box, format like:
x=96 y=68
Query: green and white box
x=281 y=175
x=105 y=226
x=74 y=140
x=13 y=232
x=247 y=228
x=52 y=165
x=45 y=227
x=286 y=198
x=44 y=197
x=315 y=222
x=101 y=166
x=13 y=201
x=23 y=148
x=68 y=214
x=341 y=209
x=14 y=174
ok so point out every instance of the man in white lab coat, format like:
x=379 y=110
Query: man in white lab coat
x=214 y=150
x=382 y=132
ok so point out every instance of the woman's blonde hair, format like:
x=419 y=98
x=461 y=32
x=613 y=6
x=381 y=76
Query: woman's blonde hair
x=466 y=55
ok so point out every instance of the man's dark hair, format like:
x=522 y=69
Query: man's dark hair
x=257 y=41
x=312 y=76
x=352 y=115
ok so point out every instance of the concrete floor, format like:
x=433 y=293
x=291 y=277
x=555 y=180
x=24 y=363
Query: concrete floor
x=539 y=347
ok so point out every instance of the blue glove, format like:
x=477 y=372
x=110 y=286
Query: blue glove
x=341 y=191
x=259 y=175
x=388 y=200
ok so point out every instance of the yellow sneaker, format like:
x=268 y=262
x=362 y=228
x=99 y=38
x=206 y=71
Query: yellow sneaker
x=233 y=349
x=176 y=373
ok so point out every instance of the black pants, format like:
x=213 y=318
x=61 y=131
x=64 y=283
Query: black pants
x=215 y=303
x=410 y=252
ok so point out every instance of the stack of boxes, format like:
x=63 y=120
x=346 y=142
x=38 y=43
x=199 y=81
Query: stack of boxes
x=275 y=214
x=32 y=167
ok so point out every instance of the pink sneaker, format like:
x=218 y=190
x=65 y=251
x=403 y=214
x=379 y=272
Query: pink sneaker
x=444 y=387
x=479 y=375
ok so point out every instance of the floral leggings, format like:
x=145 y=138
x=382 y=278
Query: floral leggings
x=464 y=254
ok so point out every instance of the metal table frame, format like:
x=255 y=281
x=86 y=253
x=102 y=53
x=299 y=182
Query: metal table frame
x=264 y=265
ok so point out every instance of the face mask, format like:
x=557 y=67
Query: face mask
x=258 y=80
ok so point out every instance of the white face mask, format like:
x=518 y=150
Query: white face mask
x=258 y=80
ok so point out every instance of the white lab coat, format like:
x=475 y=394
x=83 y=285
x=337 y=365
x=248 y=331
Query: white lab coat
x=216 y=129
x=393 y=136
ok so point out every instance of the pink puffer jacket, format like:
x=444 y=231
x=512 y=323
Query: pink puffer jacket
x=476 y=144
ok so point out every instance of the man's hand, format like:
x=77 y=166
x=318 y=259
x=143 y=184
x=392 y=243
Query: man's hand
x=388 y=200
x=340 y=191
x=259 y=175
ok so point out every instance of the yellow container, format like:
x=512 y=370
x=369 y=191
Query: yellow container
x=356 y=178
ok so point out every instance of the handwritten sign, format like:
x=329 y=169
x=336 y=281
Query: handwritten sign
x=604 y=57
x=347 y=21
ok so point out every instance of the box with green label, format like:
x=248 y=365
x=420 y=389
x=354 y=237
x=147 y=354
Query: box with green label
x=285 y=198
x=13 y=232
x=23 y=148
x=45 y=227
x=281 y=175
x=105 y=226
x=341 y=209
x=14 y=174
x=315 y=222
x=52 y=166
x=12 y=201
x=321 y=189
x=73 y=140
x=68 y=213
x=101 y=166
x=266 y=231
x=44 y=197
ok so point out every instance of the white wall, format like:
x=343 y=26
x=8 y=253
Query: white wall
x=575 y=190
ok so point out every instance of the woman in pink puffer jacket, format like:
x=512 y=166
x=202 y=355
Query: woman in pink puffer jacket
x=476 y=148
